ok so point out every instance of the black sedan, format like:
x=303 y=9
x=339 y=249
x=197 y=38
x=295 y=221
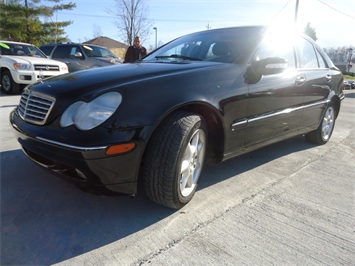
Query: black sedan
x=208 y=96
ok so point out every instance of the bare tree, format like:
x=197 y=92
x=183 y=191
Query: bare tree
x=131 y=19
x=96 y=31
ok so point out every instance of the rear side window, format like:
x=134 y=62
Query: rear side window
x=46 y=49
x=67 y=51
x=61 y=51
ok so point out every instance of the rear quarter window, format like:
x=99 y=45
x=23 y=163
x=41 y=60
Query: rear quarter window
x=322 y=62
x=307 y=54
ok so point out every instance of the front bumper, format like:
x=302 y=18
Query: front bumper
x=29 y=76
x=84 y=166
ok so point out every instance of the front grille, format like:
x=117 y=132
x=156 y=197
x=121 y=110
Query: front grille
x=46 y=67
x=35 y=107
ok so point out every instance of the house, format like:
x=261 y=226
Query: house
x=114 y=46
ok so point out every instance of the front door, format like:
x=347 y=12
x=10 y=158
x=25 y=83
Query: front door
x=275 y=101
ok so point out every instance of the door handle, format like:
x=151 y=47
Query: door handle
x=300 y=80
x=328 y=77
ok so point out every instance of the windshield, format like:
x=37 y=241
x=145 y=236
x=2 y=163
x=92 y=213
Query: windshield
x=232 y=45
x=20 y=49
x=97 y=51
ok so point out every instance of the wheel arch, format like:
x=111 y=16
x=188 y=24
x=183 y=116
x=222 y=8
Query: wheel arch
x=14 y=87
x=3 y=68
x=336 y=102
x=215 y=131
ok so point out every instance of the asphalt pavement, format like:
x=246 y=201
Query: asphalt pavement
x=292 y=203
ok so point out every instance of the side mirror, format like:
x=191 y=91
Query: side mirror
x=264 y=67
x=78 y=55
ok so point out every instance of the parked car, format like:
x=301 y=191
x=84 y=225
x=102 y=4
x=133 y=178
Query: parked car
x=81 y=56
x=23 y=64
x=207 y=96
x=352 y=84
x=347 y=85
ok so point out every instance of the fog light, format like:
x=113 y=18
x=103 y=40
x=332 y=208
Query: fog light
x=22 y=77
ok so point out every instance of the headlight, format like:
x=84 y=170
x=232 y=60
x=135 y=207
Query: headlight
x=86 y=116
x=22 y=66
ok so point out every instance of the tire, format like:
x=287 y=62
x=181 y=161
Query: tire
x=8 y=85
x=323 y=133
x=174 y=159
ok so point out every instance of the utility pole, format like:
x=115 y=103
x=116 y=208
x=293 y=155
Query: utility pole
x=350 y=55
x=156 y=37
x=296 y=11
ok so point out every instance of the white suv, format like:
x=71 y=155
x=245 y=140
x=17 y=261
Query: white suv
x=23 y=64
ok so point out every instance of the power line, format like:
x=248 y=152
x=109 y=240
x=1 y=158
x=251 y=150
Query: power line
x=320 y=1
x=115 y=16
x=281 y=10
x=199 y=20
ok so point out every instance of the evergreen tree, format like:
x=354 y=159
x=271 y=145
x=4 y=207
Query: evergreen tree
x=310 y=31
x=21 y=21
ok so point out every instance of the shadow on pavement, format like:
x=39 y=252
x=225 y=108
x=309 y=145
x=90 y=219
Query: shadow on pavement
x=349 y=95
x=45 y=220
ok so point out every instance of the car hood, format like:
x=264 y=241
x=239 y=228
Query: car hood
x=109 y=60
x=33 y=60
x=94 y=81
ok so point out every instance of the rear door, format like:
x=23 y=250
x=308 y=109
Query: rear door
x=318 y=81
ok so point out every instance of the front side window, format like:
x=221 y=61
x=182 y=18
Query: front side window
x=96 y=51
x=276 y=46
x=74 y=51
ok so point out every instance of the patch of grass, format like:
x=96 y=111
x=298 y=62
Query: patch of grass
x=347 y=77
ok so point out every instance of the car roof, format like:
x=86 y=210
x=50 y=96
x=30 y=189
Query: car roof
x=16 y=42
x=71 y=43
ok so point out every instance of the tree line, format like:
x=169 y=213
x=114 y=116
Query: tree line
x=341 y=54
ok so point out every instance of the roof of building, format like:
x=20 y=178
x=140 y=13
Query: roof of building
x=107 y=42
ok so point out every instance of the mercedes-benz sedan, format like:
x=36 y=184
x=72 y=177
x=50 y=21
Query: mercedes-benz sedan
x=208 y=96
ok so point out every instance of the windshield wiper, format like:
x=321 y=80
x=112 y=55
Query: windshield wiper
x=183 y=57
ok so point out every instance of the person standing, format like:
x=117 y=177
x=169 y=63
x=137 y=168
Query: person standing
x=135 y=51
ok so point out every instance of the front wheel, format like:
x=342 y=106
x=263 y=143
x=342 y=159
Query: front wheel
x=8 y=85
x=323 y=133
x=174 y=159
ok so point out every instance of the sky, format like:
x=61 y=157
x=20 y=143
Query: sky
x=333 y=20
